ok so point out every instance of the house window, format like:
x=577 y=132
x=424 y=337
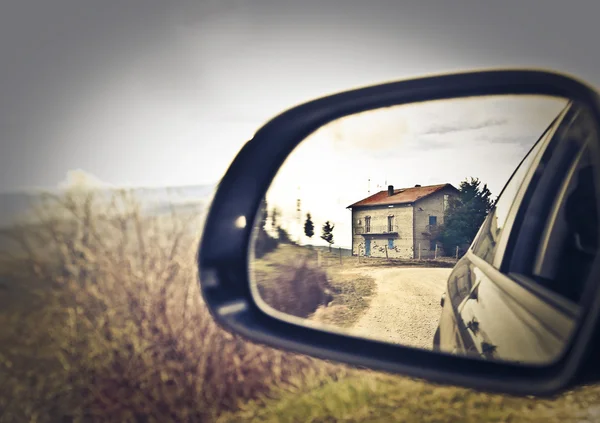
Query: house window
x=446 y=197
x=432 y=220
x=390 y=243
x=432 y=245
x=390 y=223
x=368 y=224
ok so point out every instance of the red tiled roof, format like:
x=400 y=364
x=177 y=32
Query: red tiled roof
x=401 y=195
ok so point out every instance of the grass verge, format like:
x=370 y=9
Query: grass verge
x=291 y=280
x=369 y=397
x=352 y=293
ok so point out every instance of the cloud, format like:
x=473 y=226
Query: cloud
x=467 y=126
x=80 y=179
x=524 y=140
x=379 y=129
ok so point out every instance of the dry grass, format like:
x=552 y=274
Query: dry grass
x=106 y=322
x=289 y=280
x=102 y=320
x=332 y=260
x=376 y=398
x=447 y=262
x=352 y=295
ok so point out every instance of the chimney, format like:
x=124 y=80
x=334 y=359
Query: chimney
x=390 y=190
x=417 y=186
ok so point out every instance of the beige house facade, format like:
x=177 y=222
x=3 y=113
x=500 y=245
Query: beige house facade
x=399 y=223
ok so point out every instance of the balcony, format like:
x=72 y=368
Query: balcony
x=376 y=230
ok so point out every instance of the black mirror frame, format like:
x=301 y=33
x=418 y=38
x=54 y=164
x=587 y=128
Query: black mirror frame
x=224 y=249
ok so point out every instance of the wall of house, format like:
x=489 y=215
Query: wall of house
x=403 y=241
x=432 y=205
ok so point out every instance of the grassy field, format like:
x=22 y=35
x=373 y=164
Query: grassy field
x=377 y=398
x=332 y=260
x=102 y=320
x=292 y=279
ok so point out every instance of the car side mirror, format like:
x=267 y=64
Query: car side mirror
x=300 y=240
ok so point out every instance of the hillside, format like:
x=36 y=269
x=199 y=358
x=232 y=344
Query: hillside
x=15 y=205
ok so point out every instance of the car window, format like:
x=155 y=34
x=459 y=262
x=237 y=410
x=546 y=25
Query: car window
x=486 y=241
x=555 y=240
x=570 y=241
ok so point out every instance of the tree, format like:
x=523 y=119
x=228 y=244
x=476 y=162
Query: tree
x=309 y=227
x=283 y=236
x=264 y=243
x=465 y=214
x=275 y=214
x=263 y=213
x=327 y=233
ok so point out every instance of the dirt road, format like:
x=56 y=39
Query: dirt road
x=406 y=308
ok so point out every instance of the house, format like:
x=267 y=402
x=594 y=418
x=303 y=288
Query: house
x=398 y=222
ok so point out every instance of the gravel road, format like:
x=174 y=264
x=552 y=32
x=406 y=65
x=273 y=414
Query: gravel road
x=406 y=307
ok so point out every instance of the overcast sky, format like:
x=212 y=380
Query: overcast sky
x=156 y=93
x=427 y=143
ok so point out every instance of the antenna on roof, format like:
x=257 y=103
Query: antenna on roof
x=369 y=187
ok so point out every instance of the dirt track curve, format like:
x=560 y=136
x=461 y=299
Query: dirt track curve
x=406 y=307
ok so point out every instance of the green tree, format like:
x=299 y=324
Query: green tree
x=309 y=227
x=465 y=214
x=327 y=233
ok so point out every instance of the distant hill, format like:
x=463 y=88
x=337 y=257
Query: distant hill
x=13 y=205
x=194 y=198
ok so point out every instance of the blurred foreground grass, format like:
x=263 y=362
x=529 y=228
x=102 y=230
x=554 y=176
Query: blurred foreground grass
x=102 y=320
x=375 y=397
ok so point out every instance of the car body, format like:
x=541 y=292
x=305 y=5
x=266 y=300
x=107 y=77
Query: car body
x=500 y=304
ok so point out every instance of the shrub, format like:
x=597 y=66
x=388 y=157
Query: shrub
x=264 y=243
x=295 y=287
x=284 y=237
x=108 y=324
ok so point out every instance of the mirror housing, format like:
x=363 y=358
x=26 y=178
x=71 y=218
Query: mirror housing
x=225 y=247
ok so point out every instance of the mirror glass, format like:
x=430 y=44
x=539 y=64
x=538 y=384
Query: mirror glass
x=393 y=225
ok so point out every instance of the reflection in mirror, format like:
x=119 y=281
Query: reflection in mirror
x=368 y=225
